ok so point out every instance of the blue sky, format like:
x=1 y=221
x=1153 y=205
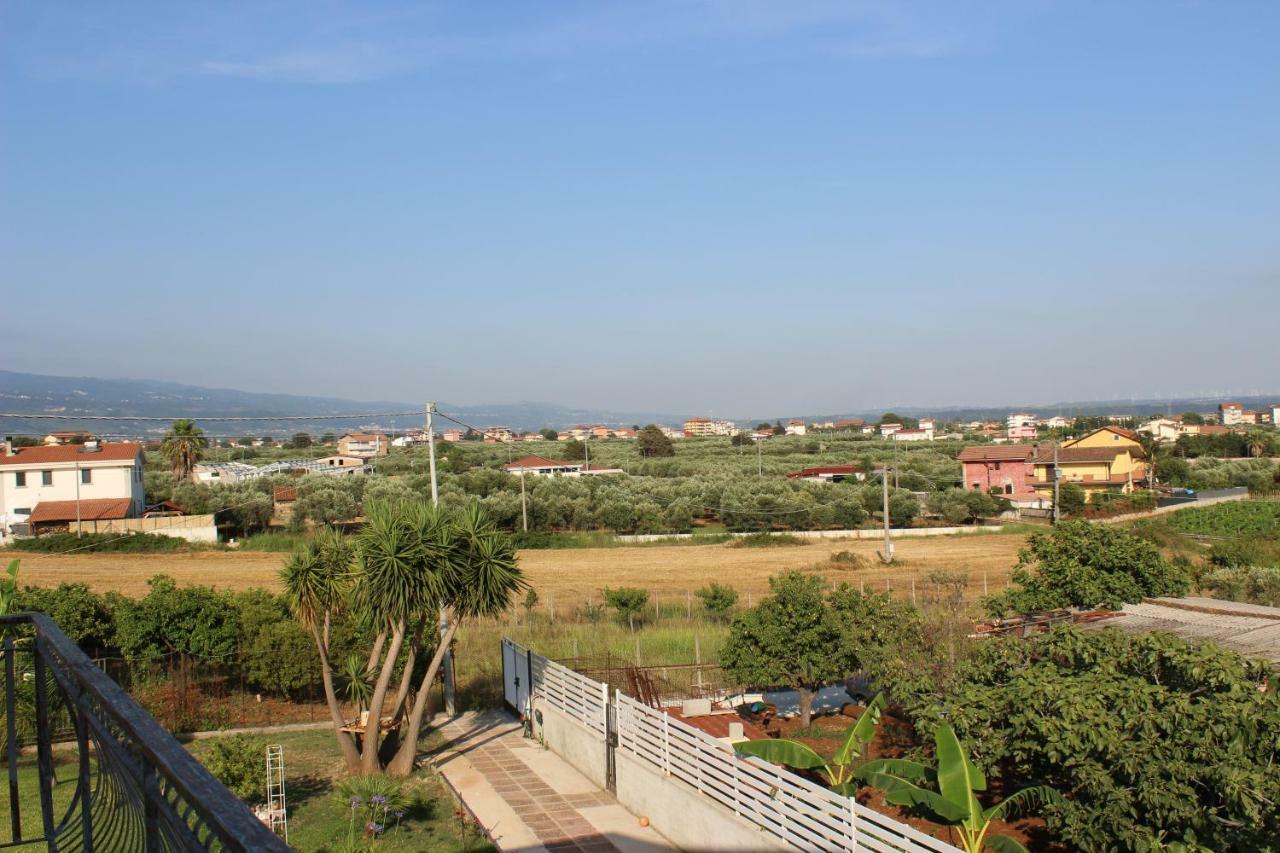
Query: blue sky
x=722 y=206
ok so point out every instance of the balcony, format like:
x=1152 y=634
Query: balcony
x=105 y=775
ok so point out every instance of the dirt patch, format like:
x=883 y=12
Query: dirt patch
x=575 y=576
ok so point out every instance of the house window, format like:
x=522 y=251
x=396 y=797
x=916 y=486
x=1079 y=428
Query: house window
x=22 y=510
x=1008 y=488
x=86 y=476
x=46 y=478
x=20 y=479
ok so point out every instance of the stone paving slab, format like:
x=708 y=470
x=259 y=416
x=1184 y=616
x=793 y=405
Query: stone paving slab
x=530 y=799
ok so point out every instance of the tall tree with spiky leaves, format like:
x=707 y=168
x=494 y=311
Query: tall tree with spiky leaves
x=316 y=582
x=410 y=560
x=183 y=446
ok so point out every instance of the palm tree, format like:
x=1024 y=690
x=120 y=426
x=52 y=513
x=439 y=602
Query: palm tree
x=182 y=446
x=317 y=581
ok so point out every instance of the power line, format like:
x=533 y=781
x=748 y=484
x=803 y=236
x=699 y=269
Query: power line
x=217 y=418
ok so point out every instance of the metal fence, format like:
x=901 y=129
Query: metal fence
x=789 y=807
x=133 y=788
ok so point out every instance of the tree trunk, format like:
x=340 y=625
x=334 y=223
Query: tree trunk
x=346 y=743
x=373 y=724
x=402 y=764
x=406 y=677
x=375 y=653
x=806 y=706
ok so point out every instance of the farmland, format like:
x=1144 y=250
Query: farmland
x=570 y=577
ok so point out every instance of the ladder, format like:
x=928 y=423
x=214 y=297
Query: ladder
x=277 y=813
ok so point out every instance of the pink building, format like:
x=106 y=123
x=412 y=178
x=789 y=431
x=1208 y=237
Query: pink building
x=1006 y=468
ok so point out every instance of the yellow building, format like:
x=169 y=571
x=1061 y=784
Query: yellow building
x=1109 y=459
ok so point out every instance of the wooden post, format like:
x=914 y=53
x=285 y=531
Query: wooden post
x=688 y=603
x=984 y=583
x=913 y=590
x=637 y=651
x=551 y=604
x=697 y=648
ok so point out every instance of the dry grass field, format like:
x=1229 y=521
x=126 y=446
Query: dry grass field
x=568 y=577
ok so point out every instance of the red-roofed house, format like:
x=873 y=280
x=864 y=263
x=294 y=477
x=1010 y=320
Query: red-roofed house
x=1231 y=414
x=1005 y=468
x=828 y=473
x=541 y=466
x=31 y=477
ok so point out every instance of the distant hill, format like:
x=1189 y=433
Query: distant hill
x=141 y=398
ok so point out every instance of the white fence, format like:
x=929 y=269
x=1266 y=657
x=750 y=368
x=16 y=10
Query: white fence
x=789 y=807
x=527 y=675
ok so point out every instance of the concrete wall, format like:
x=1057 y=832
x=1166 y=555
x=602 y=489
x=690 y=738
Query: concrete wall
x=193 y=528
x=571 y=740
x=691 y=821
x=898 y=533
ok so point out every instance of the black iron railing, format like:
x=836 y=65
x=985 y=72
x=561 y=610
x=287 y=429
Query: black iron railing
x=114 y=779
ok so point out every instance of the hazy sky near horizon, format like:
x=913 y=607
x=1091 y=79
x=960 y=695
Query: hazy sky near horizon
x=679 y=205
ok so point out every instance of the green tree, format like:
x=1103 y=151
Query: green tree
x=1071 y=499
x=574 y=450
x=81 y=614
x=192 y=621
x=324 y=506
x=8 y=588
x=300 y=440
x=909 y=783
x=717 y=600
x=1155 y=742
x=791 y=639
x=1079 y=564
x=628 y=601
x=653 y=443
x=183 y=446
x=550 y=434
x=1192 y=418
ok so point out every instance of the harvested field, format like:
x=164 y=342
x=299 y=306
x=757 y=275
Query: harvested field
x=573 y=576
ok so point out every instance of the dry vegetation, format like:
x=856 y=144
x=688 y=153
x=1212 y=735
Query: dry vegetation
x=573 y=576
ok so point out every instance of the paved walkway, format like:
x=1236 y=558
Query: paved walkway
x=530 y=799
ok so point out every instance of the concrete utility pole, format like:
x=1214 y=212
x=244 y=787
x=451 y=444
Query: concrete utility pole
x=78 y=527
x=1056 y=514
x=524 y=506
x=887 y=555
x=760 y=458
x=446 y=665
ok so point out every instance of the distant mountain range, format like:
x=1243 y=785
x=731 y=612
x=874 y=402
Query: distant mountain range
x=30 y=393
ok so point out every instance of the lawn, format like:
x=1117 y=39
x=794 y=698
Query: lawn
x=319 y=821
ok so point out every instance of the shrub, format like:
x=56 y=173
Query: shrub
x=628 y=601
x=767 y=540
x=127 y=543
x=1254 y=584
x=82 y=615
x=239 y=762
x=1079 y=564
x=717 y=599
x=848 y=559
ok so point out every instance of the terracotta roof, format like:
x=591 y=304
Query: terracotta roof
x=826 y=469
x=70 y=453
x=98 y=509
x=1213 y=429
x=535 y=461
x=1044 y=455
x=997 y=453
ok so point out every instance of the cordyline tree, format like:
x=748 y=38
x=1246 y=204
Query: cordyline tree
x=410 y=561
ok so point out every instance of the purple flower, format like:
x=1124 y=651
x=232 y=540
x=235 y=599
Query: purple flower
x=375 y=828
x=355 y=802
x=399 y=815
x=377 y=799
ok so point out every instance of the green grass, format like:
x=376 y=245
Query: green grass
x=1239 y=518
x=768 y=540
x=274 y=541
x=670 y=639
x=319 y=822
x=29 y=798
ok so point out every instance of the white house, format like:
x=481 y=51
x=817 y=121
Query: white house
x=1231 y=414
x=795 y=426
x=1162 y=430
x=889 y=429
x=60 y=483
x=912 y=434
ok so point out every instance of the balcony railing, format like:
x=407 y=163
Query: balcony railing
x=134 y=786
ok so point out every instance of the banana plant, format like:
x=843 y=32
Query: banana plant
x=838 y=769
x=956 y=779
